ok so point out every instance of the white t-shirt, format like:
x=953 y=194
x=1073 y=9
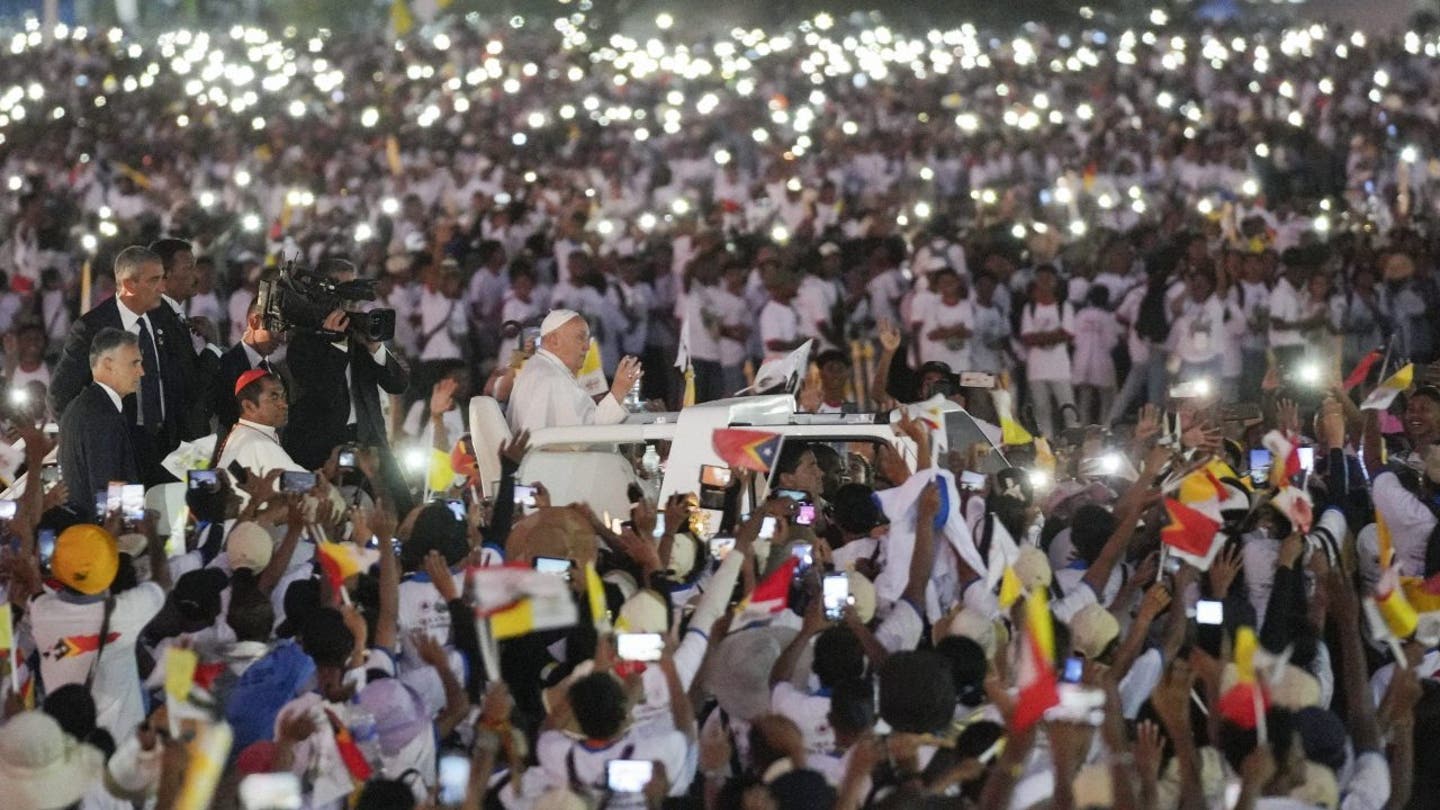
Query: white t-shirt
x=1047 y=362
x=1286 y=304
x=778 y=322
x=421 y=608
x=67 y=634
x=811 y=714
x=733 y=312
x=938 y=315
x=556 y=751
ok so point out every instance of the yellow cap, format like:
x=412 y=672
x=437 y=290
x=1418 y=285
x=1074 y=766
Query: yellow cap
x=85 y=559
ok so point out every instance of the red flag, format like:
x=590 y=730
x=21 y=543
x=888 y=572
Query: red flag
x=1190 y=530
x=1362 y=369
x=751 y=449
x=772 y=595
x=351 y=755
x=1038 y=689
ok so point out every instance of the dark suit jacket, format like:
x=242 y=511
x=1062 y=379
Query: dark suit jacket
x=197 y=375
x=232 y=364
x=72 y=373
x=320 y=400
x=94 y=448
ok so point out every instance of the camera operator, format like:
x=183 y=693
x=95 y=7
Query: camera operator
x=336 y=397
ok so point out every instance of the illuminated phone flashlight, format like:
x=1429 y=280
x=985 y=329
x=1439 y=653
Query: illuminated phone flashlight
x=1108 y=464
x=1039 y=480
x=417 y=459
x=19 y=396
x=1308 y=374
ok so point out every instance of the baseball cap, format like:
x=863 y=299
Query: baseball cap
x=86 y=558
x=197 y=594
x=1092 y=630
x=400 y=715
x=556 y=319
x=249 y=546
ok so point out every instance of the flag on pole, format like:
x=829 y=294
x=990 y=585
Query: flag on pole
x=1388 y=390
x=1245 y=703
x=1038 y=689
x=1285 y=453
x=518 y=600
x=682 y=362
x=338 y=562
x=1362 y=369
x=1011 y=432
x=771 y=596
x=1395 y=608
x=786 y=372
x=750 y=449
x=1190 y=531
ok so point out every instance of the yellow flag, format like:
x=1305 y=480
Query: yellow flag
x=442 y=476
x=400 y=19
x=514 y=621
x=7 y=631
x=1387 y=391
x=595 y=591
x=1012 y=433
x=180 y=666
x=208 y=754
x=1010 y=587
x=1037 y=622
x=592 y=372
x=1245 y=643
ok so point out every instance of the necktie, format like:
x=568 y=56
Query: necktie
x=264 y=365
x=151 y=407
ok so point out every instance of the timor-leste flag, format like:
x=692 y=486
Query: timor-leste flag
x=751 y=449
x=1037 y=686
x=1190 y=530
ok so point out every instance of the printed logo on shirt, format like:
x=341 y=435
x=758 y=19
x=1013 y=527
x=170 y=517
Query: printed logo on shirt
x=72 y=646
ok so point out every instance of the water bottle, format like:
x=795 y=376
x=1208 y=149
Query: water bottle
x=633 y=403
x=366 y=734
x=650 y=462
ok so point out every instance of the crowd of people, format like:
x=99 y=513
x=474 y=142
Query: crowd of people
x=1181 y=278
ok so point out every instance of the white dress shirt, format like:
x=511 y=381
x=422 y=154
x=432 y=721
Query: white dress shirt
x=130 y=321
x=546 y=394
x=114 y=396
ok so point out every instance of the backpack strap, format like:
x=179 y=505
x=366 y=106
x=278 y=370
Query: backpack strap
x=104 y=634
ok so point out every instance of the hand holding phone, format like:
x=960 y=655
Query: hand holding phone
x=132 y=501
x=835 y=590
x=301 y=482
x=628 y=775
